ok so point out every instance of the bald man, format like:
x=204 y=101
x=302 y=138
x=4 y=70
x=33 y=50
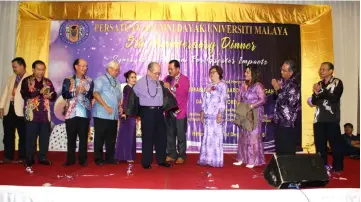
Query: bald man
x=150 y=92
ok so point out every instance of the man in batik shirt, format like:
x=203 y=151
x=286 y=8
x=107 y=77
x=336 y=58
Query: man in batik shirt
x=78 y=92
x=37 y=92
x=286 y=109
x=326 y=97
x=108 y=96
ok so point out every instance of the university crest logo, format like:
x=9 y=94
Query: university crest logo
x=74 y=32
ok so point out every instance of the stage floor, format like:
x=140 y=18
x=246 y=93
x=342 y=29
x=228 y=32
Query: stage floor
x=186 y=176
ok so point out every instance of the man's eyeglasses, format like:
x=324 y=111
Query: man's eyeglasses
x=156 y=73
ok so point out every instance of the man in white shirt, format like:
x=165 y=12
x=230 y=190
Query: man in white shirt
x=11 y=111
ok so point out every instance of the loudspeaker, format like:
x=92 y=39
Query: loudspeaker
x=307 y=170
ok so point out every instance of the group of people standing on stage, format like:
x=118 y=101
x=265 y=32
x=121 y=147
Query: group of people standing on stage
x=252 y=93
x=162 y=107
x=25 y=106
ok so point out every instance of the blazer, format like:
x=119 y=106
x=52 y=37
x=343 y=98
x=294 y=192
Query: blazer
x=18 y=99
x=245 y=120
x=132 y=106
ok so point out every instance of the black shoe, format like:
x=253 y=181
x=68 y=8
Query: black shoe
x=67 y=163
x=148 y=167
x=167 y=165
x=98 y=163
x=27 y=164
x=45 y=162
x=111 y=162
x=83 y=164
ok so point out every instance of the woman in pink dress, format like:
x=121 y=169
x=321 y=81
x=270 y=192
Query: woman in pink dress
x=250 y=144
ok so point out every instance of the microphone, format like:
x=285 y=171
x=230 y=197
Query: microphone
x=169 y=79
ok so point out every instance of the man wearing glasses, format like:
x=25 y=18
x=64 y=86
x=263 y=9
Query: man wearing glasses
x=150 y=92
x=326 y=97
x=287 y=106
x=77 y=90
x=178 y=85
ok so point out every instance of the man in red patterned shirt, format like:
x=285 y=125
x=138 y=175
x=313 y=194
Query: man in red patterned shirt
x=37 y=92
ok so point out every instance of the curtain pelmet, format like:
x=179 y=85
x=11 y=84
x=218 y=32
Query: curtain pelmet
x=181 y=11
x=315 y=20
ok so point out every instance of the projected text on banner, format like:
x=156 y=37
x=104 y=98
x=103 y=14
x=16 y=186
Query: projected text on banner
x=197 y=45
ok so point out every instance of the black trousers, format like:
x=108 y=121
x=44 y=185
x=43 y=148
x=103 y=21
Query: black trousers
x=10 y=123
x=285 y=140
x=75 y=127
x=153 y=133
x=105 y=131
x=33 y=130
x=176 y=133
x=331 y=132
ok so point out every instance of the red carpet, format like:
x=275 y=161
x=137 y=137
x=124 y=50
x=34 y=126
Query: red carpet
x=186 y=176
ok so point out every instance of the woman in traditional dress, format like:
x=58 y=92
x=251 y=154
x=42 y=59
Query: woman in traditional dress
x=250 y=144
x=125 y=149
x=212 y=116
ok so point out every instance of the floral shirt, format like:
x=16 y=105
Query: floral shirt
x=37 y=108
x=215 y=100
x=288 y=103
x=77 y=105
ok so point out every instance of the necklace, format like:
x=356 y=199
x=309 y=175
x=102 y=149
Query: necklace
x=156 y=89
x=110 y=82
x=175 y=85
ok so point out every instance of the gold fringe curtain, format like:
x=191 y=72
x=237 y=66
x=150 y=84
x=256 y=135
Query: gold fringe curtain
x=315 y=21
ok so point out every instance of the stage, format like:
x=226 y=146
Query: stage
x=232 y=180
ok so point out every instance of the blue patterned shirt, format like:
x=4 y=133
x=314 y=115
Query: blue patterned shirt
x=110 y=91
x=77 y=105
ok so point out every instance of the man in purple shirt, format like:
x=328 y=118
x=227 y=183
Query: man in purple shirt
x=37 y=92
x=178 y=84
x=150 y=93
x=286 y=109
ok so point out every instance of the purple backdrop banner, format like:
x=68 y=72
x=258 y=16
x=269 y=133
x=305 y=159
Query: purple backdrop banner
x=197 y=45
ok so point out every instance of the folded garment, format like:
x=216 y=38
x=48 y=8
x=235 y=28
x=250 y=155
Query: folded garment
x=246 y=117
